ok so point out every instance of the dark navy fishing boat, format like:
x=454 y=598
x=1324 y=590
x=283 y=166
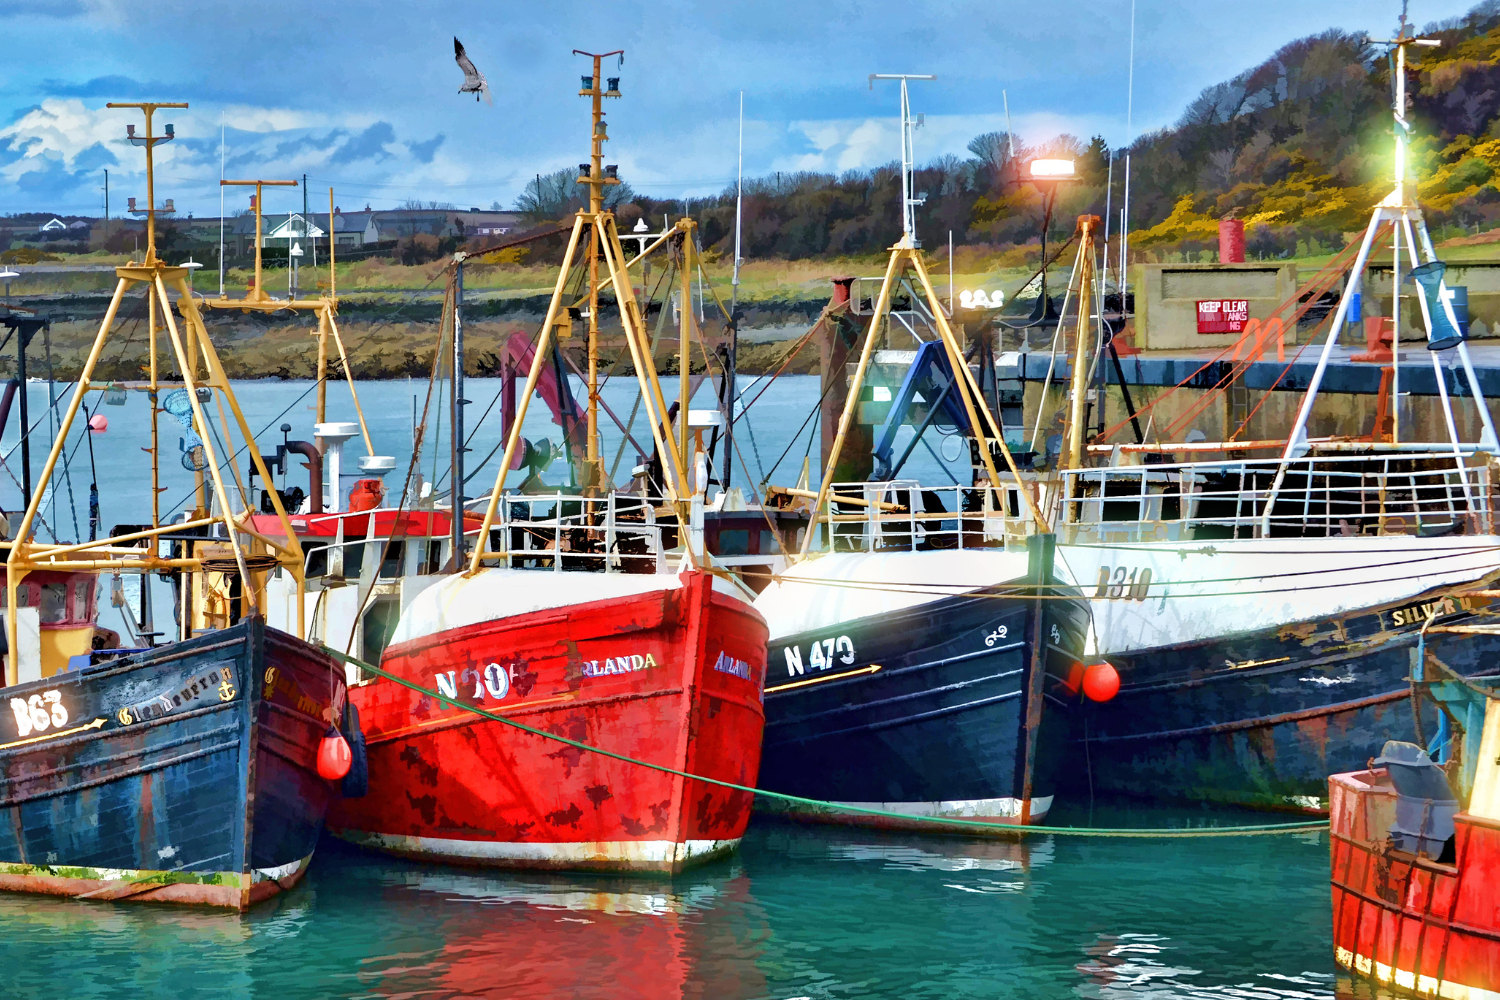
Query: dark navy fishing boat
x=910 y=683
x=196 y=771
x=186 y=773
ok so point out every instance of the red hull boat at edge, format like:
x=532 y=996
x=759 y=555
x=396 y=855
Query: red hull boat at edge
x=1415 y=850
x=663 y=668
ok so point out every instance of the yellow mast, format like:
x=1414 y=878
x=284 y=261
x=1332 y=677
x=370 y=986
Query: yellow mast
x=191 y=347
x=325 y=307
x=1087 y=224
x=603 y=244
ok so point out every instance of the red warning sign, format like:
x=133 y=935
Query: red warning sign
x=1223 y=315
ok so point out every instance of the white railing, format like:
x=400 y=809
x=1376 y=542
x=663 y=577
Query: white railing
x=1317 y=496
x=557 y=531
x=617 y=533
x=903 y=515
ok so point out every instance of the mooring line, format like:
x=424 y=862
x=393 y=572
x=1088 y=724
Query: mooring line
x=1013 y=829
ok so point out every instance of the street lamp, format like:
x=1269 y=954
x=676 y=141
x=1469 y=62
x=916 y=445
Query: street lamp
x=296 y=254
x=191 y=266
x=1046 y=175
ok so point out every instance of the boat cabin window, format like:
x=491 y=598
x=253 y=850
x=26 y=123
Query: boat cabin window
x=734 y=542
x=395 y=554
x=83 y=594
x=770 y=544
x=25 y=593
x=54 y=603
x=317 y=558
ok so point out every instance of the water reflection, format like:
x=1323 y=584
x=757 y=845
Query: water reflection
x=801 y=911
x=1139 y=966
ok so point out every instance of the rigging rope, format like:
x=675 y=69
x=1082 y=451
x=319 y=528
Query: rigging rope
x=834 y=808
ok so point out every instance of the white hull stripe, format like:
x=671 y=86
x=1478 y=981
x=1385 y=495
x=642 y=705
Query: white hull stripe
x=1421 y=985
x=999 y=808
x=623 y=852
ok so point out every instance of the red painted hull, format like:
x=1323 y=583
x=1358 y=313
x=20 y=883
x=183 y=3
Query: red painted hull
x=1416 y=925
x=672 y=676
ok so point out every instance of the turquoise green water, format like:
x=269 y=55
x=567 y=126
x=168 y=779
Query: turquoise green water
x=815 y=912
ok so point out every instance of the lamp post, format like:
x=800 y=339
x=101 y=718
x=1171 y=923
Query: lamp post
x=296 y=254
x=191 y=265
x=1046 y=175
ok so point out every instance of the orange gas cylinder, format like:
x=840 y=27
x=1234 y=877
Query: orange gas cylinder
x=366 y=494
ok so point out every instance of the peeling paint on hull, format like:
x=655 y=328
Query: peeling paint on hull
x=670 y=674
x=1261 y=719
x=1419 y=926
x=181 y=774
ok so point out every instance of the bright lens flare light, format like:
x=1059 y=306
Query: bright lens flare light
x=1052 y=170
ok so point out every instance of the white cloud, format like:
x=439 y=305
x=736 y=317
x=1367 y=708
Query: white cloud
x=862 y=143
x=59 y=129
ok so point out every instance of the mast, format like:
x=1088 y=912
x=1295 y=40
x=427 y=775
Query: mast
x=603 y=243
x=198 y=364
x=731 y=389
x=596 y=178
x=1076 y=410
x=1400 y=211
x=457 y=431
x=906 y=255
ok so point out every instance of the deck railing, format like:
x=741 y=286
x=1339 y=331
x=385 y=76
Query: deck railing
x=1318 y=496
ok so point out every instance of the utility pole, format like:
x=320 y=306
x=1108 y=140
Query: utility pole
x=106 y=204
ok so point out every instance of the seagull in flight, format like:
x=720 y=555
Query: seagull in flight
x=474 y=82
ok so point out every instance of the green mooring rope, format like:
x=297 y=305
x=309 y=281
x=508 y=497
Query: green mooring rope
x=820 y=806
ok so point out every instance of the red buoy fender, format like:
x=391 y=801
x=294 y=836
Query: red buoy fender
x=334 y=755
x=1101 y=682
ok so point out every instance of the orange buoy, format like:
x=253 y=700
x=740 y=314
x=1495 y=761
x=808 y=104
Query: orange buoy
x=1101 y=682
x=334 y=755
x=366 y=494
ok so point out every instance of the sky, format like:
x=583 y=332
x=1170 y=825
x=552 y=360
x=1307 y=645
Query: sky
x=363 y=96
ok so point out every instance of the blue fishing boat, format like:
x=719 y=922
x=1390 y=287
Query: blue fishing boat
x=196 y=771
x=186 y=773
x=907 y=682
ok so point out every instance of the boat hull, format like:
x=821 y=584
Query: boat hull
x=1420 y=926
x=182 y=774
x=1261 y=719
x=924 y=711
x=1251 y=669
x=670 y=673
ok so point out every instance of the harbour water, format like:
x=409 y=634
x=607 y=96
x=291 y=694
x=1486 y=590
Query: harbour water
x=815 y=912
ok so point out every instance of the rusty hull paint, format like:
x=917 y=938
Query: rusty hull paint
x=226 y=782
x=446 y=778
x=1417 y=925
x=1261 y=719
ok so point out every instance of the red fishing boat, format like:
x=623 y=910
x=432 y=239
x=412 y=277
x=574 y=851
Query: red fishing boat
x=664 y=668
x=1416 y=860
x=600 y=617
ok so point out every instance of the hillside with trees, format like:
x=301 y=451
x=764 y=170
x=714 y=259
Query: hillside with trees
x=1298 y=147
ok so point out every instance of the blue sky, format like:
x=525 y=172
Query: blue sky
x=363 y=96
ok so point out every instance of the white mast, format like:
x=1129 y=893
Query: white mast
x=739 y=203
x=908 y=202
